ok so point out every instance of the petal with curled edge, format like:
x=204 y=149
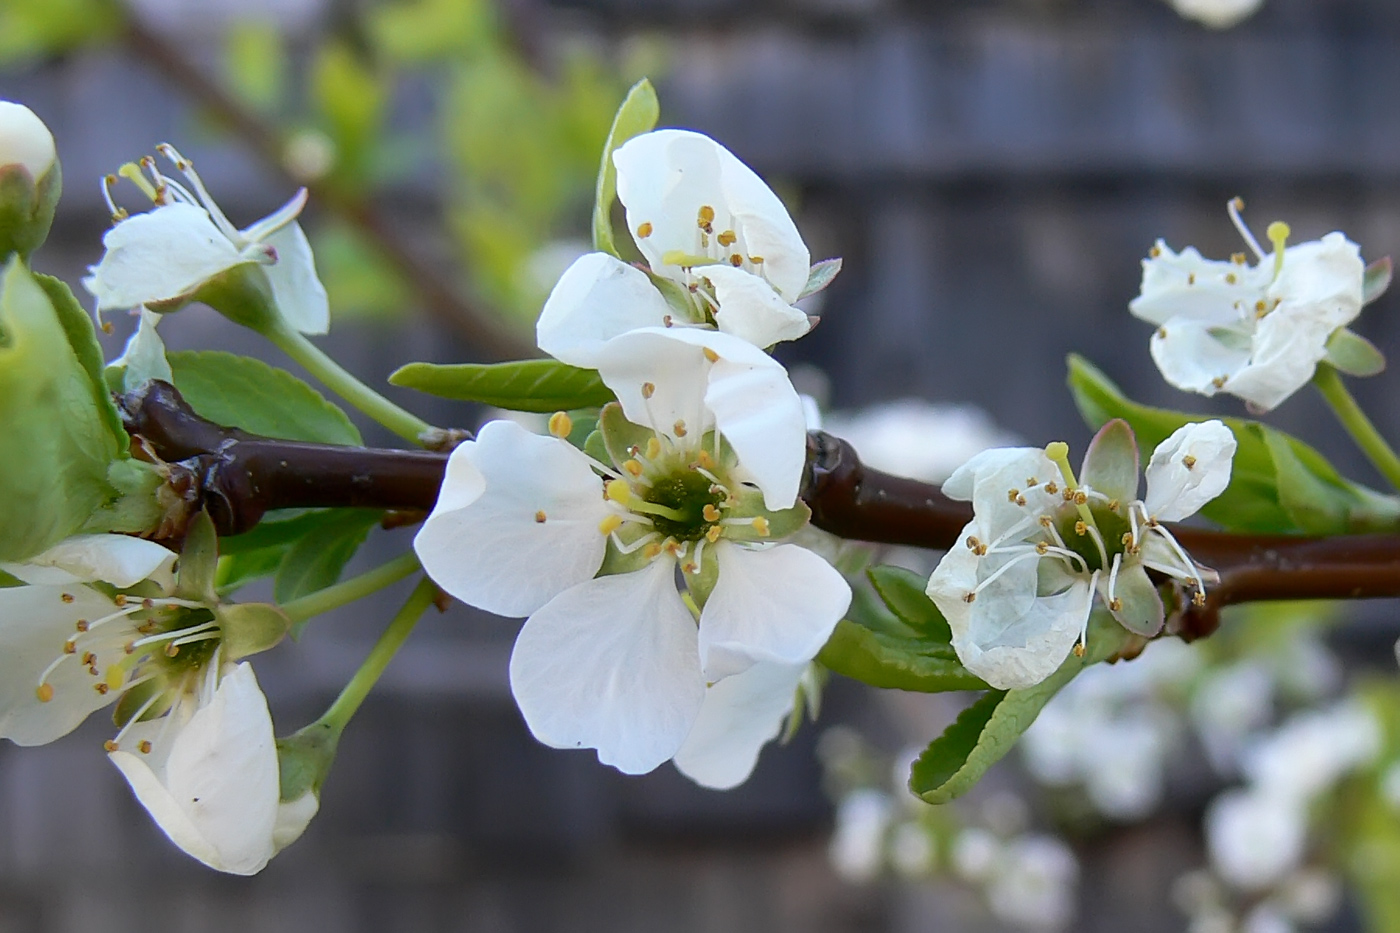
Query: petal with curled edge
x=750 y=309
x=778 y=604
x=212 y=784
x=740 y=715
x=666 y=176
x=517 y=522
x=296 y=288
x=120 y=560
x=1189 y=469
x=612 y=664
x=158 y=255
x=597 y=298
x=1196 y=357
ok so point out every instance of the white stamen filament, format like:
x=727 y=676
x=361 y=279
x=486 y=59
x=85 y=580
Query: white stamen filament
x=641 y=542
x=1113 y=576
x=136 y=716
x=1234 y=206
x=1093 y=532
x=995 y=574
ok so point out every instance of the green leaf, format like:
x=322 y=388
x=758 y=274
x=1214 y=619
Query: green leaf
x=351 y=99
x=638 y=114
x=893 y=662
x=316 y=560
x=259 y=552
x=1265 y=460
x=820 y=276
x=255 y=62
x=903 y=591
x=987 y=730
x=241 y=392
x=1353 y=354
x=527 y=385
x=82 y=337
x=56 y=440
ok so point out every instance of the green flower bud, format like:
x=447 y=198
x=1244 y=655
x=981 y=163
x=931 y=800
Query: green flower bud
x=30 y=180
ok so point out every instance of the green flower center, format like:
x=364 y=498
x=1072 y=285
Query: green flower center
x=685 y=494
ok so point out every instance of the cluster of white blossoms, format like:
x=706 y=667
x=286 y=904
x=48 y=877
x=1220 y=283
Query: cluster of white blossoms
x=1018 y=588
x=1254 y=331
x=667 y=618
x=99 y=621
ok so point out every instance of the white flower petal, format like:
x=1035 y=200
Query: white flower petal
x=484 y=542
x=740 y=715
x=34 y=623
x=160 y=254
x=597 y=298
x=744 y=392
x=665 y=177
x=1185 y=286
x=988 y=478
x=1285 y=353
x=296 y=288
x=120 y=560
x=1193 y=359
x=1326 y=277
x=751 y=310
x=293 y=816
x=1176 y=490
x=144 y=356
x=779 y=604
x=612 y=664
x=25 y=140
x=216 y=792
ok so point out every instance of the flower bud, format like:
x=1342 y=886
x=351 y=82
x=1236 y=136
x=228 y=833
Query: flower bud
x=30 y=180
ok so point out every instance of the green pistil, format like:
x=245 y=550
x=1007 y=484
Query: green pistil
x=1058 y=452
x=1278 y=235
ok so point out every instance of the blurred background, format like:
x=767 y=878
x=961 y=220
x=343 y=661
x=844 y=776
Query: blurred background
x=992 y=172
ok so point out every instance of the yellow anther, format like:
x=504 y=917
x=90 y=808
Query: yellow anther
x=710 y=513
x=66 y=597
x=1114 y=505
x=88 y=658
x=1161 y=333
x=1239 y=259
x=70 y=646
x=690 y=567
x=1032 y=482
x=973 y=542
x=1081 y=498
x=1080 y=528
x=1042 y=548
x=1219 y=381
x=1231 y=278
x=1115 y=604
x=1191 y=279
x=756 y=260
x=145 y=746
x=1127 y=538
x=1199 y=599
x=679 y=428
x=1155 y=251
x=1045 y=521
x=102 y=688
x=171 y=650
x=648 y=389
x=1011 y=494
x=633 y=466
x=672 y=547
x=726 y=238
x=110 y=746
x=82 y=625
x=618 y=491
x=1052 y=488
x=760 y=525
x=44 y=693
x=560 y=424
x=706 y=215
x=736 y=260
x=1079 y=650
x=644 y=230
x=713 y=534
x=1188 y=461
x=610 y=524
x=653 y=448
x=704 y=461
x=540 y=516
x=970 y=596
x=652 y=551
x=119 y=600
x=711 y=355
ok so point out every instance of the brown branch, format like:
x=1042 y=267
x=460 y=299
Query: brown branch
x=238 y=477
x=444 y=301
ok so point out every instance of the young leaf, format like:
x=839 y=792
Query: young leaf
x=638 y=114
x=1253 y=501
x=1376 y=280
x=820 y=276
x=241 y=392
x=903 y=592
x=987 y=730
x=895 y=663
x=315 y=561
x=528 y=385
x=1353 y=354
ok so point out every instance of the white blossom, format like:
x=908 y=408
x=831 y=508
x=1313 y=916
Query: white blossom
x=1254 y=331
x=195 y=739
x=1018 y=589
x=25 y=140
x=163 y=257
x=1035 y=883
x=1254 y=837
x=858 y=842
x=1217 y=14
x=620 y=662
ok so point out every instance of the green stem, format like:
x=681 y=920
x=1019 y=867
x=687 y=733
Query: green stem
x=1381 y=454
x=380 y=655
x=408 y=426
x=347 y=591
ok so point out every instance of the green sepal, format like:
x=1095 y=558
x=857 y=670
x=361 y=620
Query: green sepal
x=894 y=662
x=304 y=758
x=316 y=560
x=638 y=114
x=1141 y=611
x=27 y=208
x=677 y=298
x=135 y=697
x=1353 y=354
x=241 y=392
x=702 y=584
x=199 y=561
x=527 y=385
x=1375 y=280
x=619 y=435
x=987 y=729
x=595 y=446
x=241 y=293
x=56 y=440
x=250 y=628
x=903 y=592
x=615 y=562
x=820 y=276
x=780 y=524
x=1317 y=500
x=1111 y=462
